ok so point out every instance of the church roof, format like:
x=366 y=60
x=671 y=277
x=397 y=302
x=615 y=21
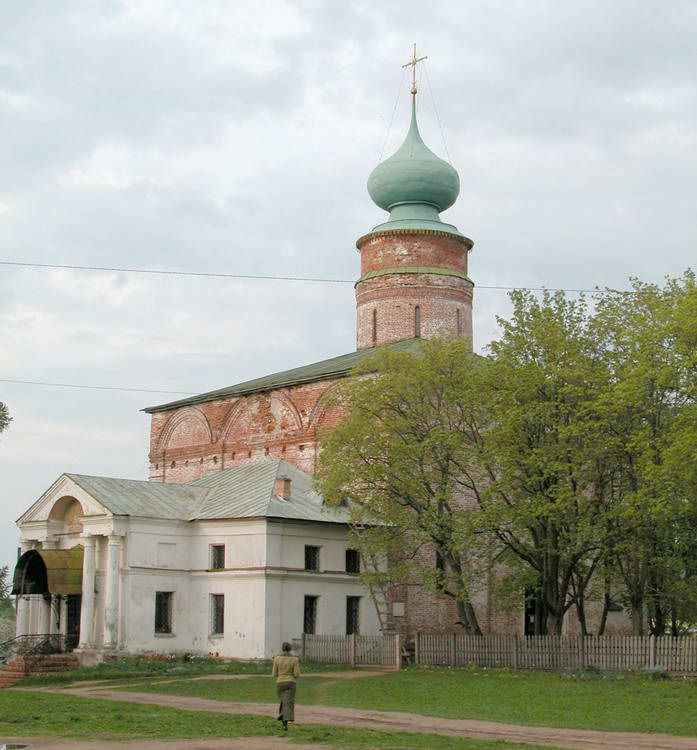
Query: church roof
x=246 y=491
x=336 y=367
x=249 y=491
x=135 y=497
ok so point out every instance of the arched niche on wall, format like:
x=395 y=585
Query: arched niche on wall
x=261 y=415
x=67 y=510
x=185 y=428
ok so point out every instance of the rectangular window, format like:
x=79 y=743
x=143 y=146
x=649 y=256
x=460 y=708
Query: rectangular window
x=353 y=561
x=353 y=604
x=440 y=561
x=217 y=556
x=310 y=615
x=217 y=614
x=311 y=558
x=163 y=611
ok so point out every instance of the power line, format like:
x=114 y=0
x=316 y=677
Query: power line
x=211 y=274
x=96 y=387
x=172 y=273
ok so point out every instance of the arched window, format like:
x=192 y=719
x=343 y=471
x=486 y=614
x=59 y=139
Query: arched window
x=417 y=322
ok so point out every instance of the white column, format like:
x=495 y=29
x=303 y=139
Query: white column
x=54 y=604
x=87 y=609
x=111 y=603
x=44 y=615
x=22 y=616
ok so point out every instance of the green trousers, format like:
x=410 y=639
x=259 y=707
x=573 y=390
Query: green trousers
x=286 y=695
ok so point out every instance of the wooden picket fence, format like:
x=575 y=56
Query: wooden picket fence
x=354 y=650
x=611 y=653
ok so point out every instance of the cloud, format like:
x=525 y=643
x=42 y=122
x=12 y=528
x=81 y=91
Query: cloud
x=237 y=137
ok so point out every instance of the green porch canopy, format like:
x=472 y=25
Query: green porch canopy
x=49 y=571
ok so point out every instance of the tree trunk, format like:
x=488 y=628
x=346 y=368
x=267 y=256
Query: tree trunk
x=636 y=606
x=468 y=617
x=606 y=609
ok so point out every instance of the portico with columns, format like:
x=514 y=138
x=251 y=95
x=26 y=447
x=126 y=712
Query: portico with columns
x=68 y=579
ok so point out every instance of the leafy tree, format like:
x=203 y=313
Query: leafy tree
x=396 y=456
x=6 y=607
x=562 y=463
x=649 y=344
x=533 y=462
x=5 y=417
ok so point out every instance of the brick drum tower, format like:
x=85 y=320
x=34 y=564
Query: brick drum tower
x=414 y=279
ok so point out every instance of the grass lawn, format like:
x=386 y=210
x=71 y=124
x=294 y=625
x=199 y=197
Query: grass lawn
x=32 y=714
x=619 y=703
x=144 y=667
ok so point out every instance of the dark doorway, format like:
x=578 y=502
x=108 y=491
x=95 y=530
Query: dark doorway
x=72 y=621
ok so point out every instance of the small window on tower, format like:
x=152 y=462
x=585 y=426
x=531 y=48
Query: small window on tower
x=417 y=322
x=459 y=321
x=375 y=326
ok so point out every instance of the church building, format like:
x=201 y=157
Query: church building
x=227 y=548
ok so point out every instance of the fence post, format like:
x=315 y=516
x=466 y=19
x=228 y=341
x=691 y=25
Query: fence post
x=417 y=649
x=302 y=648
x=514 y=652
x=352 y=649
x=451 y=650
x=652 y=651
x=398 y=650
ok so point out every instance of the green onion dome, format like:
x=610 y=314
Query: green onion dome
x=414 y=185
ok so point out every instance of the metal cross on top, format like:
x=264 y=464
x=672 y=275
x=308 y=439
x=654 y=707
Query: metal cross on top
x=414 y=60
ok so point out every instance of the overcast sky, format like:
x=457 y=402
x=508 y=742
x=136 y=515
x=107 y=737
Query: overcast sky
x=237 y=137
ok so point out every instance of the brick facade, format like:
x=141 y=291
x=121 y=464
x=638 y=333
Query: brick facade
x=410 y=297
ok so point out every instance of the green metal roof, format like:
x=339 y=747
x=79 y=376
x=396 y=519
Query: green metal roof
x=249 y=491
x=133 y=497
x=335 y=367
x=246 y=491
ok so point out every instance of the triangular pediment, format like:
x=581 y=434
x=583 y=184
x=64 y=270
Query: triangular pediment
x=64 y=486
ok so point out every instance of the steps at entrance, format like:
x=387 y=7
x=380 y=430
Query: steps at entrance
x=12 y=672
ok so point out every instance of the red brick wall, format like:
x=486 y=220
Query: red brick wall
x=386 y=305
x=194 y=441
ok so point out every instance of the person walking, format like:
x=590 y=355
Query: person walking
x=286 y=670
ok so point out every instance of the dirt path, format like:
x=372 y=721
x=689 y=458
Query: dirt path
x=575 y=739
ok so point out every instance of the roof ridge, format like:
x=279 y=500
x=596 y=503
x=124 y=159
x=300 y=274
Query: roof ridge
x=325 y=369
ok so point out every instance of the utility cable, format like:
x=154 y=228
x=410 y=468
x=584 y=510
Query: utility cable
x=97 y=387
x=211 y=274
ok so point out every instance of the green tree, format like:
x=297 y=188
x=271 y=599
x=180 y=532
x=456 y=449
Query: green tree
x=6 y=607
x=649 y=344
x=5 y=417
x=533 y=460
x=562 y=463
x=396 y=457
